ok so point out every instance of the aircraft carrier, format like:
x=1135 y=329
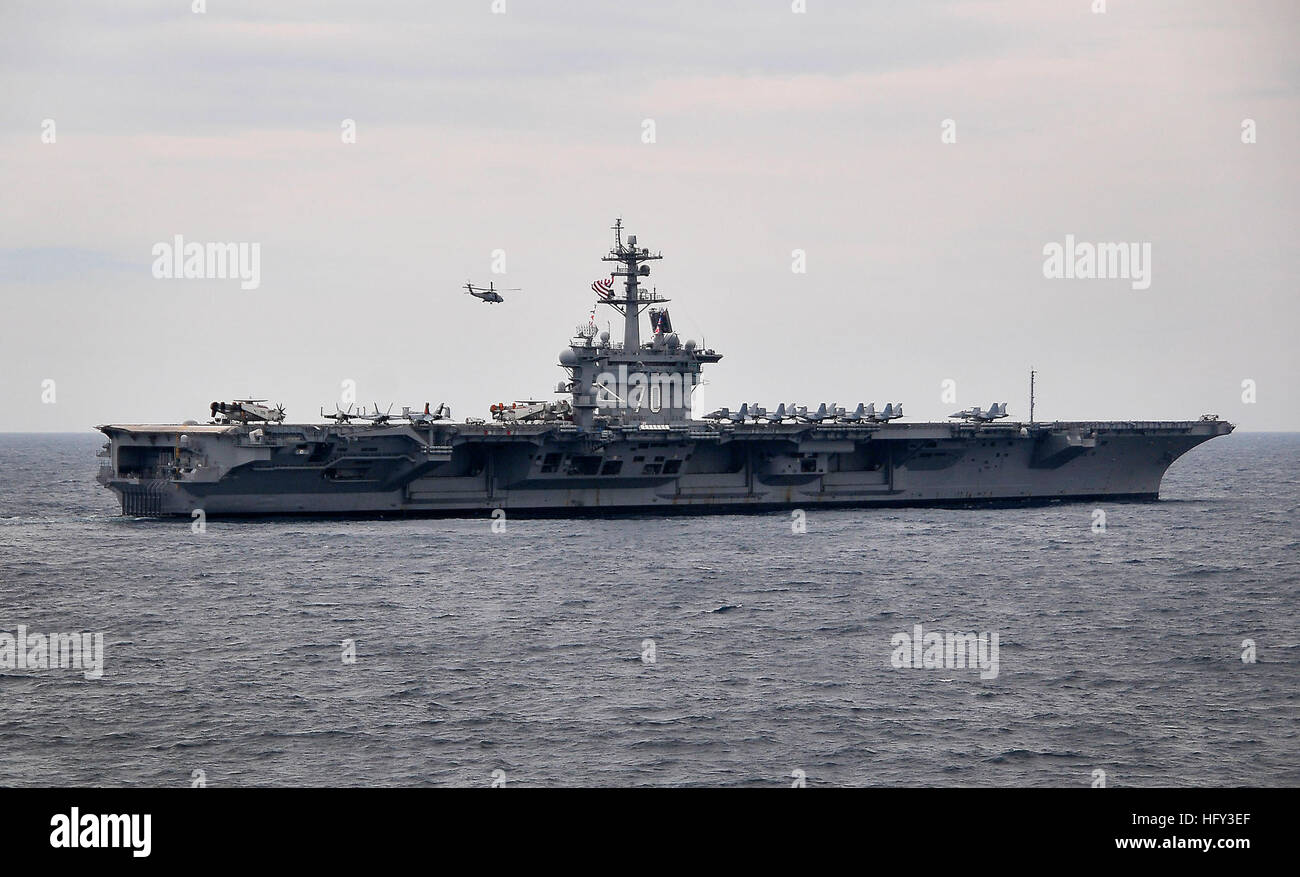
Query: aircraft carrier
x=623 y=437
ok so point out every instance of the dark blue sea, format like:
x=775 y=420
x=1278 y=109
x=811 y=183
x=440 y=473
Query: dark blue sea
x=517 y=657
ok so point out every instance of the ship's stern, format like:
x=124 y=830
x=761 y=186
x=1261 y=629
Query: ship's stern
x=143 y=467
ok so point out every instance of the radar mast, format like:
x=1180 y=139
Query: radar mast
x=632 y=267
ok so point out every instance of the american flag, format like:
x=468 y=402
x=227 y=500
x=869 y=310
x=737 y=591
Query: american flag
x=604 y=288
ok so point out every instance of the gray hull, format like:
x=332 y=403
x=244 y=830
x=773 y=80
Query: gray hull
x=693 y=467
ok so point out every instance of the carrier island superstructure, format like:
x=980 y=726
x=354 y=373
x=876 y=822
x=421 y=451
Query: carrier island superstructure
x=623 y=437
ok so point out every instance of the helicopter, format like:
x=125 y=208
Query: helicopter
x=490 y=294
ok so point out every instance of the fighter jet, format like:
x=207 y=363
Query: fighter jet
x=340 y=416
x=377 y=418
x=854 y=416
x=817 y=416
x=778 y=415
x=442 y=412
x=975 y=415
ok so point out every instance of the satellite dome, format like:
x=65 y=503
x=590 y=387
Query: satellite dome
x=604 y=336
x=690 y=344
x=568 y=357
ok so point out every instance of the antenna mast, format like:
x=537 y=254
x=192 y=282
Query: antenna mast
x=1032 y=374
x=631 y=267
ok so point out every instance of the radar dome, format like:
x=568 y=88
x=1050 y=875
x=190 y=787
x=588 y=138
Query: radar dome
x=604 y=336
x=690 y=344
x=568 y=357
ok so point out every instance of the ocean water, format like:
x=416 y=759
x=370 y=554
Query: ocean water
x=522 y=656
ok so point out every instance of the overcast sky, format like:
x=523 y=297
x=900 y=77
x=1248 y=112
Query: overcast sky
x=774 y=131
